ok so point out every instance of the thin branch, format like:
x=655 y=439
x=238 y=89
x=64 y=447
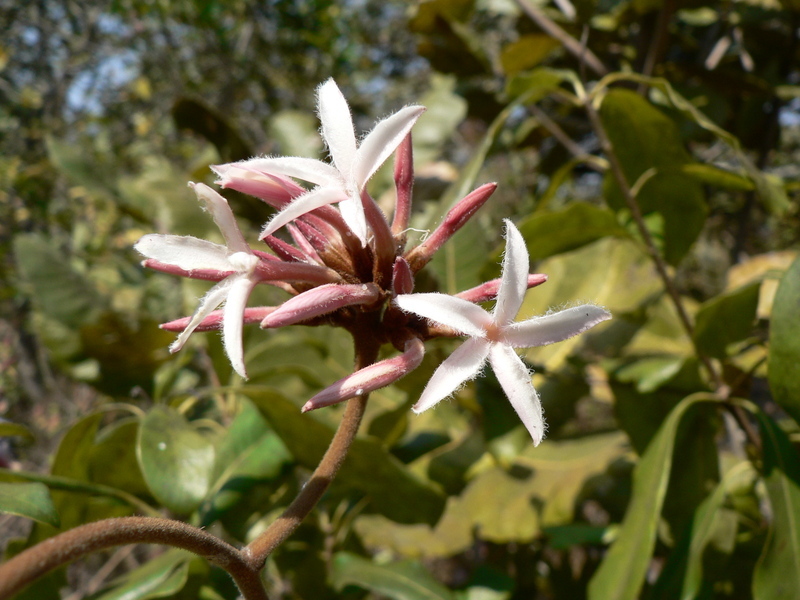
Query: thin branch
x=258 y=550
x=64 y=548
x=722 y=390
x=573 y=46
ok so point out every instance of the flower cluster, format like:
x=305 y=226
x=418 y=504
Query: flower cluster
x=348 y=266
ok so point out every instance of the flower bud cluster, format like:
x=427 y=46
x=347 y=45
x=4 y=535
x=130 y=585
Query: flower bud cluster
x=348 y=266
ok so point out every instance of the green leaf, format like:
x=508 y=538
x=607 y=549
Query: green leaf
x=15 y=430
x=248 y=454
x=176 y=460
x=562 y=537
x=726 y=319
x=706 y=521
x=776 y=576
x=394 y=491
x=297 y=133
x=161 y=577
x=770 y=188
x=784 y=343
x=718 y=177
x=406 y=580
x=60 y=292
x=31 y=500
x=622 y=572
x=578 y=224
x=526 y=52
x=644 y=138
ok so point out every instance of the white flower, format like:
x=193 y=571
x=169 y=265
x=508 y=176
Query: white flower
x=235 y=263
x=494 y=336
x=352 y=167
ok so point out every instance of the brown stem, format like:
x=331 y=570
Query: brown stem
x=258 y=550
x=71 y=545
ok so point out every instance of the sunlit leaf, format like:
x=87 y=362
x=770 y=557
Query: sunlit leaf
x=31 y=500
x=580 y=223
x=176 y=460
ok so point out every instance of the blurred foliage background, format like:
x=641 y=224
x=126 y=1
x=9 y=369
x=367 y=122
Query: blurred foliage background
x=107 y=110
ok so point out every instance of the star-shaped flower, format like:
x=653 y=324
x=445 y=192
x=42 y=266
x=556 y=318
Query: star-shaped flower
x=353 y=164
x=494 y=336
x=235 y=262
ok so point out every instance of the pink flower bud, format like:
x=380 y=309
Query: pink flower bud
x=453 y=221
x=321 y=301
x=402 y=277
x=404 y=183
x=370 y=378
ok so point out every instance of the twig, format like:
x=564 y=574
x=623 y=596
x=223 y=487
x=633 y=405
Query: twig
x=64 y=548
x=721 y=389
x=258 y=550
x=572 y=45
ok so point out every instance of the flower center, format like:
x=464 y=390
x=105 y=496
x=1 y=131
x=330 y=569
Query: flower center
x=494 y=333
x=244 y=262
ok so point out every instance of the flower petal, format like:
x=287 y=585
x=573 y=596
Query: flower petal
x=337 y=125
x=381 y=142
x=233 y=321
x=185 y=252
x=515 y=380
x=556 y=327
x=213 y=298
x=462 y=365
x=514 y=281
x=453 y=312
x=370 y=378
x=222 y=214
x=307 y=169
x=488 y=291
x=317 y=197
x=353 y=214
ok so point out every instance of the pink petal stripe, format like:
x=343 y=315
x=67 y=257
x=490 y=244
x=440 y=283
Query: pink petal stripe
x=205 y=274
x=303 y=243
x=214 y=320
x=320 y=301
x=284 y=250
x=370 y=378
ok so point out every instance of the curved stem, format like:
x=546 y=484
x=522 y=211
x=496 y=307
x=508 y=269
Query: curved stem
x=258 y=550
x=71 y=545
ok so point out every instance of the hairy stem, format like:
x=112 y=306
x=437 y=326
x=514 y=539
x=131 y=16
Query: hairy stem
x=258 y=550
x=64 y=548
